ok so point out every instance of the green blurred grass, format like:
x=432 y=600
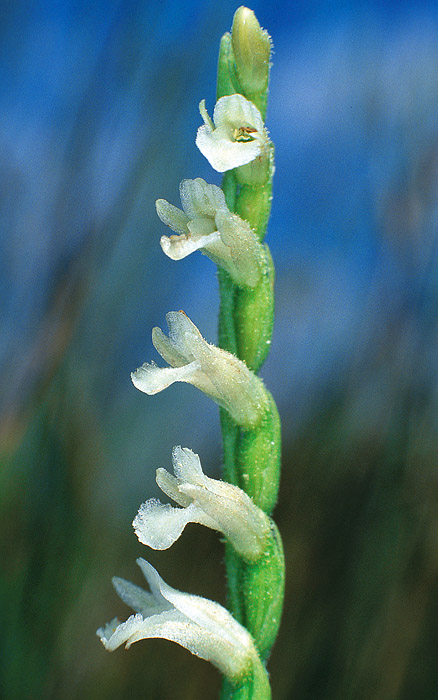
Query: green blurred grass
x=358 y=513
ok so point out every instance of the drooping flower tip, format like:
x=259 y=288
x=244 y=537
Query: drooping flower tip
x=202 y=626
x=235 y=137
x=210 y=502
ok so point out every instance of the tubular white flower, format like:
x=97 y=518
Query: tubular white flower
x=203 y=627
x=235 y=137
x=216 y=372
x=206 y=224
x=210 y=502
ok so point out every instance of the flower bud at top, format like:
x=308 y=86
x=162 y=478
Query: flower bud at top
x=252 y=49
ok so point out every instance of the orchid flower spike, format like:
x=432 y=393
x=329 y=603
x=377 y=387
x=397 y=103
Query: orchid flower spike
x=216 y=372
x=236 y=135
x=206 y=224
x=203 y=627
x=210 y=502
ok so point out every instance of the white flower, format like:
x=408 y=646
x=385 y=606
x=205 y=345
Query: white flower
x=237 y=135
x=206 y=224
x=210 y=502
x=216 y=372
x=203 y=627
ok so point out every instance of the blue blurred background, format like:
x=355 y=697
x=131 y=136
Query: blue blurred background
x=99 y=110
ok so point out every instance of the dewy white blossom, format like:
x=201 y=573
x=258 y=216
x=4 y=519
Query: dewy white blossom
x=210 y=502
x=216 y=372
x=206 y=224
x=203 y=627
x=236 y=135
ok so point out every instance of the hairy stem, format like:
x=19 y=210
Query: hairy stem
x=251 y=457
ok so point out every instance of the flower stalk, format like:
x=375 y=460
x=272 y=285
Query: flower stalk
x=245 y=328
x=228 y=225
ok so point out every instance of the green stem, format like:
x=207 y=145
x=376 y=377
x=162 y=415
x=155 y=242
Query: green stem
x=255 y=687
x=251 y=457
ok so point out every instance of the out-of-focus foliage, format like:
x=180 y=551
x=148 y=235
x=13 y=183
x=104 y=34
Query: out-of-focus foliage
x=99 y=114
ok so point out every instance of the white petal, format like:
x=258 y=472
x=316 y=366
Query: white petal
x=201 y=199
x=169 y=485
x=202 y=226
x=183 y=343
x=159 y=525
x=178 y=247
x=205 y=115
x=137 y=627
x=116 y=633
x=224 y=154
x=138 y=599
x=151 y=379
x=171 y=625
x=183 y=334
x=187 y=466
x=175 y=357
x=238 y=111
x=105 y=633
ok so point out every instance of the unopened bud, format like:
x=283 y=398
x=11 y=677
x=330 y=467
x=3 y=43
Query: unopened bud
x=252 y=50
